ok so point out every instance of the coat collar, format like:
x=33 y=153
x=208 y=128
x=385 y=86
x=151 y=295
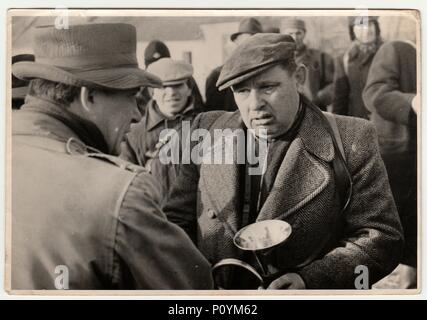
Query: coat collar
x=155 y=117
x=42 y=117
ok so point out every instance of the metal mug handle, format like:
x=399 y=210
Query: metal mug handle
x=238 y=263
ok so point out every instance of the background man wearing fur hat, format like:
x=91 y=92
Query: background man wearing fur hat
x=320 y=65
x=75 y=206
x=169 y=107
x=224 y=100
x=306 y=181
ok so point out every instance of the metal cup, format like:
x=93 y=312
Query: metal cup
x=261 y=238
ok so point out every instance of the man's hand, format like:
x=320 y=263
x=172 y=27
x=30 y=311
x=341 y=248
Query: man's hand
x=288 y=281
x=416 y=104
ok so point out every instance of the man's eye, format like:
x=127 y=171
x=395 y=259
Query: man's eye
x=268 y=89
x=242 y=91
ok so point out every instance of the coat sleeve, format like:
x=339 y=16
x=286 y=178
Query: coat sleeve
x=181 y=207
x=341 y=89
x=382 y=91
x=214 y=99
x=150 y=251
x=372 y=234
x=132 y=148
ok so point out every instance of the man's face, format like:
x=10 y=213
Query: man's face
x=172 y=99
x=298 y=35
x=268 y=101
x=113 y=112
x=365 y=33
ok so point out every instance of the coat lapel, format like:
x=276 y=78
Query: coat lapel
x=303 y=173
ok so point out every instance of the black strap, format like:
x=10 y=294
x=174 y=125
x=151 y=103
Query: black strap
x=343 y=180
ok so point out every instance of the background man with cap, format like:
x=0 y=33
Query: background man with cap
x=170 y=106
x=224 y=100
x=156 y=50
x=320 y=65
x=301 y=184
x=75 y=205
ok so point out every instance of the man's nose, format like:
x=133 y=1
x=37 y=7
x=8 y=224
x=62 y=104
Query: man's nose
x=170 y=90
x=136 y=115
x=256 y=100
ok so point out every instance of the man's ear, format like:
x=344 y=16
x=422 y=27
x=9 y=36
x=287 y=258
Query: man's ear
x=86 y=98
x=300 y=76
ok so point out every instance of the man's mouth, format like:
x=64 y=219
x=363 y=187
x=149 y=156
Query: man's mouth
x=262 y=118
x=173 y=100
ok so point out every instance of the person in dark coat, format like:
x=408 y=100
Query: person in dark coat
x=297 y=184
x=224 y=100
x=351 y=69
x=82 y=218
x=320 y=65
x=156 y=50
x=390 y=90
x=169 y=108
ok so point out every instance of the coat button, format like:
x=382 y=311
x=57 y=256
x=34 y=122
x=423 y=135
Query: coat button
x=211 y=213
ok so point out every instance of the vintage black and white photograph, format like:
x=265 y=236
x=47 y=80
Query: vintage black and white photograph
x=217 y=152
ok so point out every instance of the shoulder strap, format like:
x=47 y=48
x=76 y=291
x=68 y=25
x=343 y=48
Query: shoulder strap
x=333 y=123
x=345 y=59
x=343 y=179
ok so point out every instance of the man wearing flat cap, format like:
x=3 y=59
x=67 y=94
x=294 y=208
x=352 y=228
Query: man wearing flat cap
x=322 y=174
x=320 y=65
x=170 y=106
x=81 y=217
x=157 y=50
x=224 y=100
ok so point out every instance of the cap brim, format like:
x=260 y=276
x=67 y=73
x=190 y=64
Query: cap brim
x=174 y=82
x=120 y=78
x=19 y=92
x=247 y=75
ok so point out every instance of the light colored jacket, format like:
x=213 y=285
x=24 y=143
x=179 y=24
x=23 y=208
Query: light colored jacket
x=95 y=214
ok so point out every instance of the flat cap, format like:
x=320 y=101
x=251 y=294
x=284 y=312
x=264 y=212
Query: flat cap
x=293 y=23
x=171 y=71
x=254 y=55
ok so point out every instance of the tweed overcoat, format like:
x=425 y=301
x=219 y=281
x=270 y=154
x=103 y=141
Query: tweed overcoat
x=326 y=245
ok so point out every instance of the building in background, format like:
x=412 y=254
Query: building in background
x=205 y=41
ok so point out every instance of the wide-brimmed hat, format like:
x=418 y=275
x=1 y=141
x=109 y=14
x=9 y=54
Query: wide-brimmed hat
x=248 y=25
x=171 y=72
x=95 y=55
x=19 y=86
x=255 y=55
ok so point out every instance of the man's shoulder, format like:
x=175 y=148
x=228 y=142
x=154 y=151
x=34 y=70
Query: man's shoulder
x=356 y=133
